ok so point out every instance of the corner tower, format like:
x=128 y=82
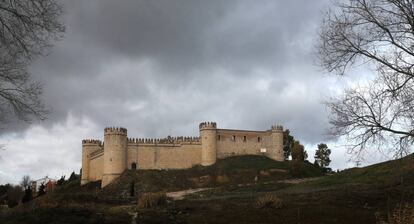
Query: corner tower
x=208 y=135
x=115 y=154
x=276 y=143
x=88 y=146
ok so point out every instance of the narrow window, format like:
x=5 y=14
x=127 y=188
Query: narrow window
x=218 y=137
x=234 y=138
x=244 y=138
x=259 y=139
x=133 y=166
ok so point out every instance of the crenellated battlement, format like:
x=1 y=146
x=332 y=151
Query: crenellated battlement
x=277 y=128
x=208 y=125
x=92 y=141
x=167 y=140
x=106 y=160
x=115 y=131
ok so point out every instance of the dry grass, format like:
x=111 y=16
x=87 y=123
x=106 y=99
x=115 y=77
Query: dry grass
x=269 y=201
x=151 y=200
x=402 y=214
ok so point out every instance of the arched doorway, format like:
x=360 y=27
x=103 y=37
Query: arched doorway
x=133 y=166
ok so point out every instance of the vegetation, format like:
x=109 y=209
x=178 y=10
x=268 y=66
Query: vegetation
x=14 y=195
x=403 y=213
x=269 y=201
x=298 y=152
x=366 y=193
x=61 y=181
x=73 y=176
x=378 y=34
x=28 y=195
x=288 y=142
x=41 y=190
x=27 y=30
x=322 y=155
x=151 y=200
x=25 y=182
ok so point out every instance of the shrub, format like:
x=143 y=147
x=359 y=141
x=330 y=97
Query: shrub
x=150 y=200
x=269 y=201
x=222 y=179
x=402 y=214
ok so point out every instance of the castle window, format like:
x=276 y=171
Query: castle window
x=244 y=138
x=218 y=137
x=259 y=139
x=233 y=138
x=133 y=166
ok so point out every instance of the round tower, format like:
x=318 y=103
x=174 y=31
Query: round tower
x=88 y=146
x=276 y=143
x=115 y=154
x=208 y=135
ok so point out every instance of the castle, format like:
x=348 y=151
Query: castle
x=108 y=160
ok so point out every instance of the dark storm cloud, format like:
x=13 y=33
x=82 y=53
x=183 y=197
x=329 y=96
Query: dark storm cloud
x=160 y=67
x=157 y=67
x=163 y=66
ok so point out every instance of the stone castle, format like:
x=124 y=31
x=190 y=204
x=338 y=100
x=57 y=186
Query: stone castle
x=109 y=159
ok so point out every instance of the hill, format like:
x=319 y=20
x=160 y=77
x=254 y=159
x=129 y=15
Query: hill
x=232 y=188
x=229 y=171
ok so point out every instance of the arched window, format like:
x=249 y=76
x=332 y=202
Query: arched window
x=133 y=166
x=244 y=138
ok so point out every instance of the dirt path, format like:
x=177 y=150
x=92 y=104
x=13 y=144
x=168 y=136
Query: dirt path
x=179 y=195
x=297 y=181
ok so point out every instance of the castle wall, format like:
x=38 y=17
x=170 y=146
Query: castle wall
x=164 y=156
x=107 y=161
x=96 y=167
x=238 y=142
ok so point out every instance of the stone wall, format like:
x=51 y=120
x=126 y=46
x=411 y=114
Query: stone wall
x=96 y=167
x=237 y=142
x=106 y=161
x=164 y=156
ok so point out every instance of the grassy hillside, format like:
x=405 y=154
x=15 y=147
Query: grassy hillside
x=389 y=173
x=229 y=171
x=365 y=193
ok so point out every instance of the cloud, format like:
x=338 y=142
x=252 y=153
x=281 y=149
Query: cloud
x=40 y=151
x=160 y=67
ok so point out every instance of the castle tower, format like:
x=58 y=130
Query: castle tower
x=276 y=143
x=88 y=146
x=208 y=135
x=115 y=154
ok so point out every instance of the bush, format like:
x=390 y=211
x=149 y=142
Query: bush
x=150 y=200
x=269 y=201
x=402 y=214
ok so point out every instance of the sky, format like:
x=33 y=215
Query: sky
x=161 y=67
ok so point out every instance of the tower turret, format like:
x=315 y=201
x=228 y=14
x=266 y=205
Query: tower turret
x=276 y=143
x=208 y=135
x=88 y=146
x=115 y=154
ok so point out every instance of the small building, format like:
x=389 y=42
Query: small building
x=48 y=182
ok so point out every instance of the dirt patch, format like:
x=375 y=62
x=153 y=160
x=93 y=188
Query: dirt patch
x=299 y=180
x=179 y=195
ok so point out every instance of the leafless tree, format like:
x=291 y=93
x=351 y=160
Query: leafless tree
x=380 y=34
x=27 y=30
x=25 y=183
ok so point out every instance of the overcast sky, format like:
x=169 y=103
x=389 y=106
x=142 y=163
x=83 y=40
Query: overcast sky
x=159 y=68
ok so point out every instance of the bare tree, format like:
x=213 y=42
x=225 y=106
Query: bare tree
x=25 y=183
x=380 y=34
x=27 y=29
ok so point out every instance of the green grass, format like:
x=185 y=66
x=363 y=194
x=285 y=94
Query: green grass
x=393 y=172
